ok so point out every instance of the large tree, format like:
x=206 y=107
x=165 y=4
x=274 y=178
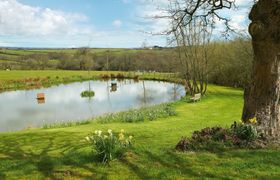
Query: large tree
x=262 y=97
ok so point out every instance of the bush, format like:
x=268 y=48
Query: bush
x=87 y=94
x=120 y=76
x=109 y=146
x=105 y=76
x=217 y=138
x=113 y=76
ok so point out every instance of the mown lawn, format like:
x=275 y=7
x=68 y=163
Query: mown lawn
x=63 y=152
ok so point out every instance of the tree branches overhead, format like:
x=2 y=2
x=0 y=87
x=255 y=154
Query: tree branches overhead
x=208 y=12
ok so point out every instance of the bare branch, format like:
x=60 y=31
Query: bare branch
x=183 y=12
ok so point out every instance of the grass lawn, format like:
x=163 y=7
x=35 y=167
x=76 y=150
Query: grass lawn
x=63 y=153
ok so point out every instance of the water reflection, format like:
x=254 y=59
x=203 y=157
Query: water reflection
x=113 y=87
x=41 y=101
x=147 y=96
x=20 y=109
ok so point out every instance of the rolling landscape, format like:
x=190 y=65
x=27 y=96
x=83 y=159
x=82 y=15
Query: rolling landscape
x=139 y=89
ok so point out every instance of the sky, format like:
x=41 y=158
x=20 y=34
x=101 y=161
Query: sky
x=91 y=23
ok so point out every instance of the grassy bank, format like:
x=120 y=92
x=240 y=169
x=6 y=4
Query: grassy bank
x=63 y=153
x=14 y=80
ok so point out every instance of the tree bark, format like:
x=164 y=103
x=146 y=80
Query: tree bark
x=262 y=95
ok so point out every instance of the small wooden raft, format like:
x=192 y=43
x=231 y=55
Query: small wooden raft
x=113 y=87
x=41 y=96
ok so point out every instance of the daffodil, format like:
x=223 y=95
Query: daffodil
x=253 y=120
x=105 y=137
x=122 y=130
x=121 y=136
x=99 y=133
x=130 y=137
x=87 y=138
x=96 y=132
x=110 y=132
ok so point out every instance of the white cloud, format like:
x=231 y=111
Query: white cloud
x=150 y=16
x=24 y=20
x=117 y=23
x=242 y=2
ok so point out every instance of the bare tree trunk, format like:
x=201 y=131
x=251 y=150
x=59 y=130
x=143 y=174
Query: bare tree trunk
x=262 y=96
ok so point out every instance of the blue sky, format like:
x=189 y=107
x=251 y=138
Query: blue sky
x=94 y=23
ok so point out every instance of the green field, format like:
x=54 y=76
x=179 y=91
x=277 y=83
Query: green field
x=15 y=56
x=63 y=153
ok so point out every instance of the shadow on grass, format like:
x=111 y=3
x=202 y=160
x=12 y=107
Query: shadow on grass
x=170 y=164
x=54 y=156
x=45 y=154
x=160 y=166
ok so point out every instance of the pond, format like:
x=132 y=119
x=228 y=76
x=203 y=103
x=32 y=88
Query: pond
x=63 y=103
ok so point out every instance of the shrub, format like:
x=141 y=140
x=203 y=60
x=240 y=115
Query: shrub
x=113 y=76
x=109 y=146
x=105 y=76
x=217 y=138
x=120 y=76
x=210 y=139
x=87 y=94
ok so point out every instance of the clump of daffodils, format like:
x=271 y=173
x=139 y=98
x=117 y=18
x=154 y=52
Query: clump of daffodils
x=109 y=145
x=253 y=120
x=246 y=131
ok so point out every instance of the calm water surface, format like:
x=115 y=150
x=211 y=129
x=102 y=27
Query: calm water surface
x=20 y=109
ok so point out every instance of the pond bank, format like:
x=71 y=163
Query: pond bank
x=16 y=80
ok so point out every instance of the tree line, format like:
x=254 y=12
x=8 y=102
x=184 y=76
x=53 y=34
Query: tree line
x=229 y=62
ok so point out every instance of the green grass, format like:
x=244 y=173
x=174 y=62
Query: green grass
x=63 y=153
x=14 y=80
